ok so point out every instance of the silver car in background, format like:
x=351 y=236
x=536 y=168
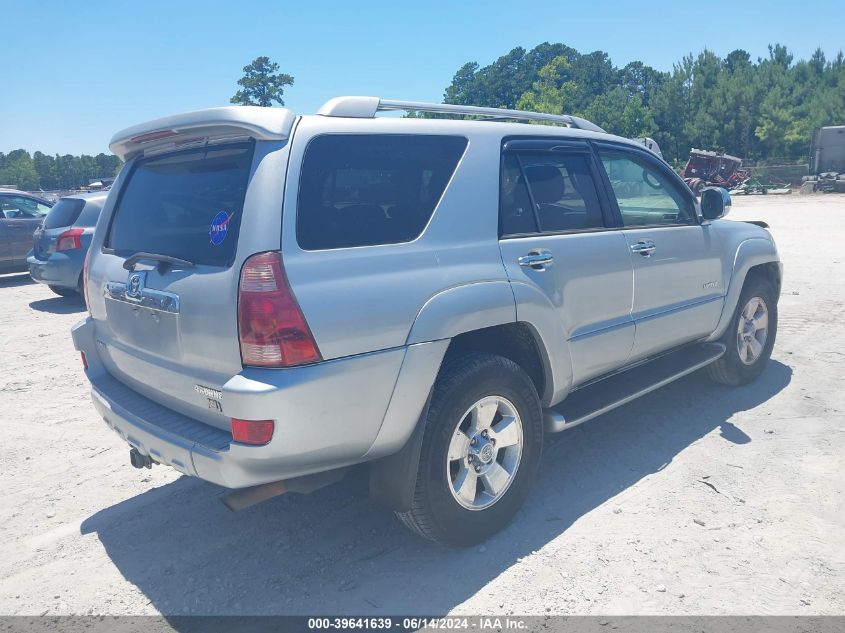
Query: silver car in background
x=61 y=243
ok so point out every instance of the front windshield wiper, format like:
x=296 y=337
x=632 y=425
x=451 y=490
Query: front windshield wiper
x=132 y=260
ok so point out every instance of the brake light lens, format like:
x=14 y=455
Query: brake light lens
x=153 y=136
x=70 y=240
x=84 y=361
x=255 y=432
x=272 y=329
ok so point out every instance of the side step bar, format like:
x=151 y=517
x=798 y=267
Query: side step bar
x=595 y=398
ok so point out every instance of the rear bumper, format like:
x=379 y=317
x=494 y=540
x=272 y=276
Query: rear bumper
x=327 y=416
x=60 y=269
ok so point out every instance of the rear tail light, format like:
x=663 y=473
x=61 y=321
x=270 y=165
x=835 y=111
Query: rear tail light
x=70 y=240
x=254 y=432
x=84 y=361
x=272 y=329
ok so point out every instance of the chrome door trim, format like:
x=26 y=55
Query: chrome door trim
x=536 y=258
x=647 y=316
x=644 y=247
x=605 y=327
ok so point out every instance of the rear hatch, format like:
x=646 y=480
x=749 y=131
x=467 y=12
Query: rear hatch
x=59 y=219
x=165 y=327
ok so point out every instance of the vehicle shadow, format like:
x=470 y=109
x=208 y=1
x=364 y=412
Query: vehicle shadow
x=15 y=279
x=332 y=552
x=59 y=305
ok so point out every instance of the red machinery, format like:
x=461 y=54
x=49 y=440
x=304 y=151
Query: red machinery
x=711 y=169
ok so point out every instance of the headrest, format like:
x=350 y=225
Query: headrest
x=547 y=183
x=362 y=213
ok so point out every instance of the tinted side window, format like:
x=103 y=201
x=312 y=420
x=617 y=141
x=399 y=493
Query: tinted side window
x=18 y=207
x=645 y=194
x=64 y=213
x=563 y=190
x=366 y=189
x=564 y=194
x=515 y=213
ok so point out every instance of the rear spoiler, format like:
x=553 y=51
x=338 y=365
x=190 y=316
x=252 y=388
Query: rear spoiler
x=202 y=126
x=759 y=223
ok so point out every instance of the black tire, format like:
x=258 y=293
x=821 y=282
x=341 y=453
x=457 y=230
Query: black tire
x=730 y=369
x=463 y=381
x=63 y=292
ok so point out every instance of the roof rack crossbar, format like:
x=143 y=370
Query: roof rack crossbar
x=366 y=107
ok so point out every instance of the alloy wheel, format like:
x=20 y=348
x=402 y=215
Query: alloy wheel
x=484 y=453
x=752 y=330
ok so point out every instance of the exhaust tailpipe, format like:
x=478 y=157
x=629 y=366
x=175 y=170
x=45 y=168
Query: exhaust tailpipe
x=245 y=497
x=139 y=460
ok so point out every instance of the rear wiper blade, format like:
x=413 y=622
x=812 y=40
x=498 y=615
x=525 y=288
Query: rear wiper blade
x=130 y=262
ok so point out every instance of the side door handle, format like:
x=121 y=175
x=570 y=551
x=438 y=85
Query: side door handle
x=644 y=247
x=537 y=259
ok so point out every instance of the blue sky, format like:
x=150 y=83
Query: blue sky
x=73 y=73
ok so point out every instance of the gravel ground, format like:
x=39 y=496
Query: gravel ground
x=696 y=500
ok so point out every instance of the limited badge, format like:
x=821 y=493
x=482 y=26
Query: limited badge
x=219 y=228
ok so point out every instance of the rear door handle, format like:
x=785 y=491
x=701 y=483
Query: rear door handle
x=644 y=248
x=536 y=259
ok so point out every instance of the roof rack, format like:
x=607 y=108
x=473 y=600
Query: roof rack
x=367 y=107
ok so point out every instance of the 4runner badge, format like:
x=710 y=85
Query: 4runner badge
x=208 y=392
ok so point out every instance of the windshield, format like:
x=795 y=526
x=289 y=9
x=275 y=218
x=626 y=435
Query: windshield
x=186 y=205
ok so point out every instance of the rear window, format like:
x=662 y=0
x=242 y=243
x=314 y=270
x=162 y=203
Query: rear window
x=90 y=214
x=63 y=213
x=186 y=205
x=366 y=189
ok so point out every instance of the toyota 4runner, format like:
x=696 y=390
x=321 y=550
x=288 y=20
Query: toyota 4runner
x=276 y=298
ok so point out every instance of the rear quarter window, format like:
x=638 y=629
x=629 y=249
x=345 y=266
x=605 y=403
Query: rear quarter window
x=90 y=214
x=186 y=205
x=368 y=189
x=64 y=213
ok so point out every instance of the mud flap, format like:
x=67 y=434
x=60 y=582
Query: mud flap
x=393 y=478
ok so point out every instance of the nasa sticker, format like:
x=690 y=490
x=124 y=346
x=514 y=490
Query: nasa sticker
x=219 y=228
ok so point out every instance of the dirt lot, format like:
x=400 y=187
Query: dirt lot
x=696 y=500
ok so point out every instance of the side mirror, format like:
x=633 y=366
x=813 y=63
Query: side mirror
x=715 y=203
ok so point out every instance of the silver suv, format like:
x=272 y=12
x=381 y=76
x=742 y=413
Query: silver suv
x=276 y=298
